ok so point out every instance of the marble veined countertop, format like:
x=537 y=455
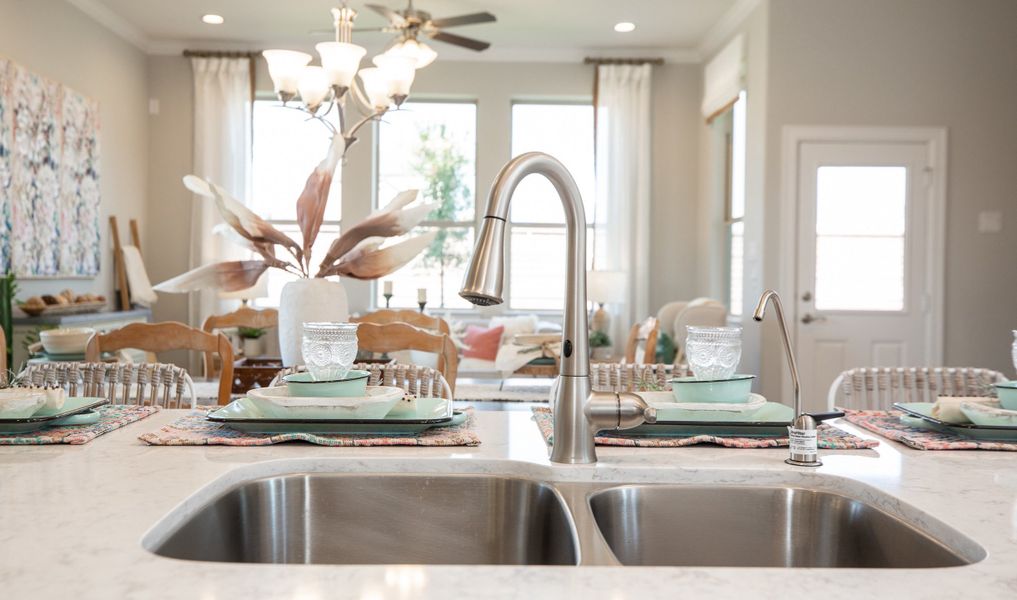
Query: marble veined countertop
x=72 y=519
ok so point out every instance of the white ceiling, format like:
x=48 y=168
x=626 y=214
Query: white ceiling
x=678 y=30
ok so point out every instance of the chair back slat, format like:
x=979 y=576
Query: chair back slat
x=154 y=384
x=878 y=388
x=244 y=316
x=393 y=337
x=410 y=317
x=623 y=377
x=423 y=381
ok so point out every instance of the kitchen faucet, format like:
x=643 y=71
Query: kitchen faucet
x=578 y=411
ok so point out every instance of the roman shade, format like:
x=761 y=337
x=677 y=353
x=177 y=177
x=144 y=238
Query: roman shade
x=723 y=79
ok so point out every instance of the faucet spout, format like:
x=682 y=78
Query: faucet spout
x=578 y=411
x=770 y=296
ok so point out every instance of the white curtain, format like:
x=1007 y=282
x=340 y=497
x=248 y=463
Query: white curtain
x=623 y=186
x=222 y=153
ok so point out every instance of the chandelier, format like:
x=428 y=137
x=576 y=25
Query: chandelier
x=318 y=90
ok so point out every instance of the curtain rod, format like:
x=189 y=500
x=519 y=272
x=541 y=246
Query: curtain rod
x=222 y=53
x=590 y=60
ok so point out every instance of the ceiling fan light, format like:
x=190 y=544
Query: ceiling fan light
x=314 y=85
x=341 y=61
x=421 y=53
x=285 y=67
x=399 y=71
x=376 y=86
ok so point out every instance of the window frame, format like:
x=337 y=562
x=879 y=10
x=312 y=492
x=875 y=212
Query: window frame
x=729 y=220
x=590 y=226
x=473 y=225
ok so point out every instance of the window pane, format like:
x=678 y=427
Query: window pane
x=537 y=269
x=860 y=233
x=737 y=266
x=440 y=269
x=432 y=147
x=861 y=200
x=565 y=131
x=287 y=147
x=859 y=273
x=737 y=210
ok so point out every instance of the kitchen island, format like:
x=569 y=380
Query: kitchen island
x=74 y=518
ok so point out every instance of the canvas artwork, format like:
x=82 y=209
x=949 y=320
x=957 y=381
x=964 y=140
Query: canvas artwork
x=49 y=177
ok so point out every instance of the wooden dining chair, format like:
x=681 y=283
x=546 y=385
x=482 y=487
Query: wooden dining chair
x=3 y=357
x=392 y=337
x=628 y=377
x=147 y=384
x=878 y=388
x=412 y=317
x=244 y=316
x=645 y=332
x=162 y=337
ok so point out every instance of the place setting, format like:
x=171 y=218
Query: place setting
x=714 y=405
x=326 y=402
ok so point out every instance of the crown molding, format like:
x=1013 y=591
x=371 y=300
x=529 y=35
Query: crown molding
x=112 y=21
x=725 y=27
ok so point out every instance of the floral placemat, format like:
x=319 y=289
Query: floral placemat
x=195 y=430
x=110 y=417
x=889 y=425
x=830 y=438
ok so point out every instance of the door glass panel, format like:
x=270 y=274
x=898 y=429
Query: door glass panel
x=861 y=216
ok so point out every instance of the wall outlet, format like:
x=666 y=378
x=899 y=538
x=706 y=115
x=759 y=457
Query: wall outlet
x=990 y=221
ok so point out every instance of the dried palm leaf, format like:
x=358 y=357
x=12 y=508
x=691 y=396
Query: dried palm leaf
x=391 y=221
x=239 y=217
x=267 y=251
x=227 y=276
x=314 y=198
x=368 y=261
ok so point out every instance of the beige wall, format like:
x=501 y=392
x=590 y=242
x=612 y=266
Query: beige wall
x=494 y=86
x=55 y=40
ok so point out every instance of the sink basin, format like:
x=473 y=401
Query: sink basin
x=778 y=526
x=380 y=519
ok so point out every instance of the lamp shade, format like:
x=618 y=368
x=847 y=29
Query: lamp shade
x=421 y=53
x=341 y=61
x=607 y=287
x=399 y=70
x=313 y=85
x=375 y=86
x=284 y=67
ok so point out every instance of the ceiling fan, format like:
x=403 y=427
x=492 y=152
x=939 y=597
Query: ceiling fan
x=410 y=23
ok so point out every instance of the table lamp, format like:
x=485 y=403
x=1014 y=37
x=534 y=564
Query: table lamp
x=605 y=287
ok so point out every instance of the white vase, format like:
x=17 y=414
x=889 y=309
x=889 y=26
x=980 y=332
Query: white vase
x=307 y=300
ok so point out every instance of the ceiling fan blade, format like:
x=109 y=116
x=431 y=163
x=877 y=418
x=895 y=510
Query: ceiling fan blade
x=355 y=30
x=458 y=40
x=470 y=19
x=395 y=18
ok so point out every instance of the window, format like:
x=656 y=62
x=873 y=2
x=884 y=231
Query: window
x=432 y=146
x=286 y=149
x=734 y=209
x=536 y=258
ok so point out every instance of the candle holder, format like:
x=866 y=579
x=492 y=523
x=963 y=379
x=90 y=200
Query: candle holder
x=388 y=298
x=422 y=305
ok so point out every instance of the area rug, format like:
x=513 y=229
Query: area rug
x=111 y=417
x=830 y=438
x=195 y=430
x=889 y=425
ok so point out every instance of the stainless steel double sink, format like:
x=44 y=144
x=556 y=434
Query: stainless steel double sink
x=353 y=518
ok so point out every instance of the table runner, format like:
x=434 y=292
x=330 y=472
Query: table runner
x=111 y=417
x=889 y=425
x=830 y=438
x=195 y=430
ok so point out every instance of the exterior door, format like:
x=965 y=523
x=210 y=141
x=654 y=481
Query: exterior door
x=864 y=266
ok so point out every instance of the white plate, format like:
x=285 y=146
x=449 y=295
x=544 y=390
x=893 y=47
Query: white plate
x=276 y=402
x=989 y=414
x=708 y=411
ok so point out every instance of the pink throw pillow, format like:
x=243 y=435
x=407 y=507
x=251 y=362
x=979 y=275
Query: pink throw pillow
x=483 y=343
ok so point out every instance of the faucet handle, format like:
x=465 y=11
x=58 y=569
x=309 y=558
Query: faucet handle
x=618 y=410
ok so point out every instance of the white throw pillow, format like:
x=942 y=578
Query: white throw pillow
x=515 y=325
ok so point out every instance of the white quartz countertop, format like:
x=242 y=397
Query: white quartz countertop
x=72 y=519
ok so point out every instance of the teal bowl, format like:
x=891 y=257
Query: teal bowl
x=353 y=385
x=1007 y=393
x=733 y=390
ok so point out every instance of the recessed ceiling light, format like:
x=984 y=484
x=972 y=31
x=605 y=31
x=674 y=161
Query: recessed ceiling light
x=624 y=27
x=218 y=20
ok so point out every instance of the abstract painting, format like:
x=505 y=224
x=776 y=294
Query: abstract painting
x=49 y=177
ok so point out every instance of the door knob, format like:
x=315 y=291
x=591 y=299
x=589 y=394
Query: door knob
x=809 y=318
x=807 y=297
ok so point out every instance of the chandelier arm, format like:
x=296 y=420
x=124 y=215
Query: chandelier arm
x=361 y=98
